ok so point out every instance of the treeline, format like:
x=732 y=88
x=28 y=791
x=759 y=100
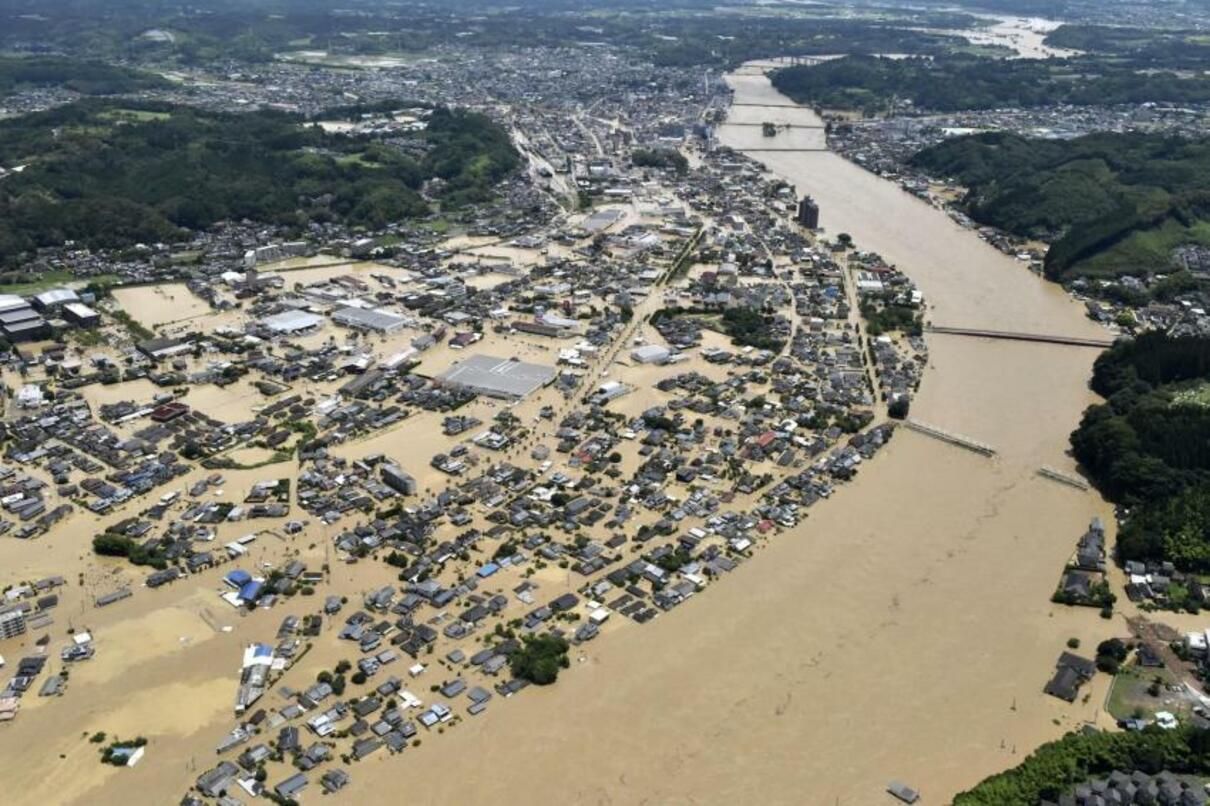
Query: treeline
x=109 y=175
x=1176 y=48
x=952 y=82
x=1110 y=203
x=1147 y=450
x=84 y=77
x=1054 y=768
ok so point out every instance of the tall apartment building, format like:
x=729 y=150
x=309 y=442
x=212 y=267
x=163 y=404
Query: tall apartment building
x=808 y=213
x=12 y=623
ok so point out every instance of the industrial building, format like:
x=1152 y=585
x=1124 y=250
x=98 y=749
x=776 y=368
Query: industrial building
x=369 y=319
x=290 y=323
x=277 y=251
x=651 y=354
x=80 y=315
x=54 y=299
x=610 y=390
x=398 y=479
x=498 y=377
x=19 y=321
x=538 y=329
x=164 y=347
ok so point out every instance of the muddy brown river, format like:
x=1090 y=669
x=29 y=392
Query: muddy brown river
x=904 y=630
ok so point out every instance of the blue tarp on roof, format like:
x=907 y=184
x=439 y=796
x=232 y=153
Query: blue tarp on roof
x=251 y=591
x=238 y=578
x=488 y=570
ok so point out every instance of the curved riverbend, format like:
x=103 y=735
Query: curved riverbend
x=903 y=631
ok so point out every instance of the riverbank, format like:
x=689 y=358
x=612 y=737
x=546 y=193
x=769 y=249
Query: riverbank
x=905 y=629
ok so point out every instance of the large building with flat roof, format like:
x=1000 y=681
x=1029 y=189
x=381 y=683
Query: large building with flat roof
x=81 y=315
x=19 y=321
x=498 y=377
x=289 y=323
x=54 y=299
x=369 y=319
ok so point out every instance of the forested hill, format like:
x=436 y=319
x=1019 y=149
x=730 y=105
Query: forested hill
x=1148 y=446
x=84 y=77
x=946 y=83
x=1172 y=47
x=1112 y=203
x=108 y=174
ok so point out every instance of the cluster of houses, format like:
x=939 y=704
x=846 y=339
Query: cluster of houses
x=640 y=507
x=1084 y=581
x=1135 y=788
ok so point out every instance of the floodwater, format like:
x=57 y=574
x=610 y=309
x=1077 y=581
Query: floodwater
x=157 y=305
x=1022 y=37
x=1025 y=36
x=903 y=631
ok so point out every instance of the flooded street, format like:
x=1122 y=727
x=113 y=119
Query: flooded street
x=902 y=631
x=905 y=629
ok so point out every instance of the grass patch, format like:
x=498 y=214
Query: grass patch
x=133 y=115
x=1130 y=694
x=20 y=283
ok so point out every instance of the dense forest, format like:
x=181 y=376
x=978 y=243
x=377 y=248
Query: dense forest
x=1111 y=203
x=84 y=77
x=1054 y=768
x=1148 y=446
x=1168 y=47
x=108 y=174
x=660 y=158
x=951 y=82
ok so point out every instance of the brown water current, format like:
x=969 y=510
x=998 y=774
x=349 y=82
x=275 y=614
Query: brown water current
x=903 y=630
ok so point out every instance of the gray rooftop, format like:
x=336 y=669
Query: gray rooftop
x=498 y=377
x=292 y=321
x=369 y=319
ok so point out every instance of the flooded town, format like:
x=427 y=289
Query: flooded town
x=694 y=442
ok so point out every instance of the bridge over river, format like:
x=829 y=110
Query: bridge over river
x=1011 y=336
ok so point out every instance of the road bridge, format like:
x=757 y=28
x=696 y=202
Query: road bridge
x=1062 y=478
x=778 y=125
x=776 y=106
x=1074 y=341
x=953 y=439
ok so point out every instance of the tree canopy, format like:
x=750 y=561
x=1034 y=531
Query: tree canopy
x=1111 y=203
x=956 y=81
x=1052 y=769
x=84 y=77
x=1148 y=446
x=109 y=174
x=539 y=659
